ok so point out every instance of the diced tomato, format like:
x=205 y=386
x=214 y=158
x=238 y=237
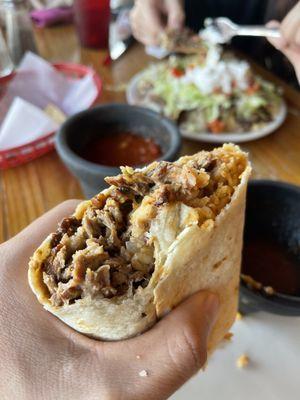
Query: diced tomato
x=177 y=72
x=107 y=61
x=218 y=90
x=253 y=88
x=216 y=126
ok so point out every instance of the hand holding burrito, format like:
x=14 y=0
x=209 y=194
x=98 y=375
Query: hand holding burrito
x=43 y=358
x=157 y=235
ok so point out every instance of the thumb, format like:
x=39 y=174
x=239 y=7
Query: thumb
x=292 y=53
x=175 y=12
x=176 y=347
x=278 y=43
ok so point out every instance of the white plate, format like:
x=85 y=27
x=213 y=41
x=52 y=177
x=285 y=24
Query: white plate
x=133 y=98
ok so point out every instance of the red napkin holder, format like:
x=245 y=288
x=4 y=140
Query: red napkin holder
x=22 y=154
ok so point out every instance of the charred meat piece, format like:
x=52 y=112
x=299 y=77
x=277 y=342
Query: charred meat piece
x=99 y=258
x=185 y=42
x=69 y=226
x=131 y=181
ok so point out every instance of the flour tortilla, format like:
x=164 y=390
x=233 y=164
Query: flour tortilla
x=188 y=258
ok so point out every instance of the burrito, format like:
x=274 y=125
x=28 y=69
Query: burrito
x=155 y=236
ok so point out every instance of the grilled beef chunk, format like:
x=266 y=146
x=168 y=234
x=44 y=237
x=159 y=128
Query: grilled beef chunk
x=97 y=255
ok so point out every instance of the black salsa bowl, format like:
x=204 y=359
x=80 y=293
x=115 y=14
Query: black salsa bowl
x=273 y=222
x=105 y=119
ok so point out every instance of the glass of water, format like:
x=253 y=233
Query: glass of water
x=6 y=65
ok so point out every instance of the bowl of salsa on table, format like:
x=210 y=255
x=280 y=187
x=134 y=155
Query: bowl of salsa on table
x=95 y=143
x=270 y=279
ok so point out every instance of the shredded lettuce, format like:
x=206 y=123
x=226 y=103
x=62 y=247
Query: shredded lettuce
x=248 y=105
x=178 y=95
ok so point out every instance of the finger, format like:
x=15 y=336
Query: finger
x=146 y=23
x=137 y=32
x=185 y=331
x=35 y=233
x=290 y=24
x=293 y=54
x=297 y=38
x=172 y=351
x=147 y=38
x=153 y=20
x=135 y=23
x=292 y=51
x=176 y=15
x=278 y=43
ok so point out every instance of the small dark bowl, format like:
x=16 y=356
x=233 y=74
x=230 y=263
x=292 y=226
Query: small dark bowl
x=77 y=131
x=273 y=209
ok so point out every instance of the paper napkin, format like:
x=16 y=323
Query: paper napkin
x=36 y=85
x=24 y=123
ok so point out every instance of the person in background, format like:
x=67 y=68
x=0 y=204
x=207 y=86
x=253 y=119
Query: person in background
x=151 y=17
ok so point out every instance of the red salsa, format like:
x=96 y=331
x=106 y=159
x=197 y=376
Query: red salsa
x=121 y=148
x=272 y=265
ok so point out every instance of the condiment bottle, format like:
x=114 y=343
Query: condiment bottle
x=17 y=27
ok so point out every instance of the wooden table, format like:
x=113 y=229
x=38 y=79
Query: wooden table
x=29 y=190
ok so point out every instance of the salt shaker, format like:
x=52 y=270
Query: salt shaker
x=17 y=27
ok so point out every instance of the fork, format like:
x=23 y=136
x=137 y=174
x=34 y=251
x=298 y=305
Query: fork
x=224 y=29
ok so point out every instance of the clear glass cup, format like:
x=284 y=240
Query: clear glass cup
x=6 y=65
x=17 y=26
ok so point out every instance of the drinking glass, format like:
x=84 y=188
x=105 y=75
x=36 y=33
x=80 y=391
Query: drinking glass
x=92 y=19
x=6 y=65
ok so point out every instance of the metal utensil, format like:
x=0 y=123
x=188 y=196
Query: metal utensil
x=225 y=29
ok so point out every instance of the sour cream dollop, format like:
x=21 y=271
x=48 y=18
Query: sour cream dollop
x=218 y=74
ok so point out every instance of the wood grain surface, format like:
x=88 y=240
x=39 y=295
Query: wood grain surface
x=28 y=191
